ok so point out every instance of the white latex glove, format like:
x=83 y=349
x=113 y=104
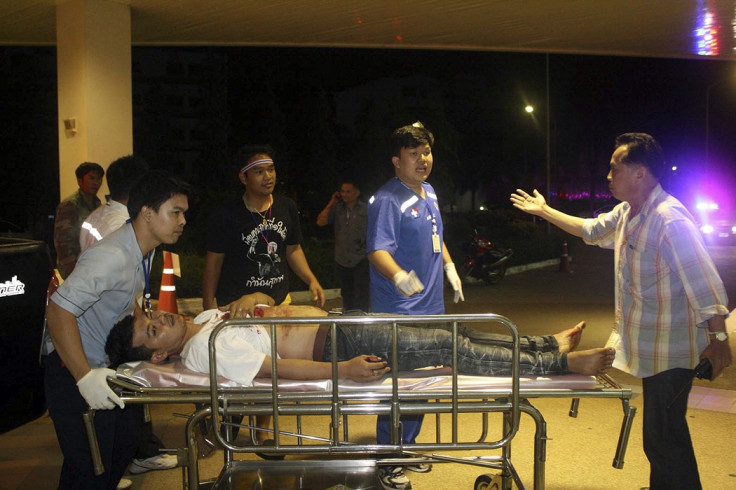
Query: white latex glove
x=95 y=390
x=455 y=281
x=408 y=283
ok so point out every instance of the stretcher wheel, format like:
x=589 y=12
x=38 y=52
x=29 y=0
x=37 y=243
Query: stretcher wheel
x=488 y=482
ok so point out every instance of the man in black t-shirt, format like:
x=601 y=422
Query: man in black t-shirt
x=251 y=240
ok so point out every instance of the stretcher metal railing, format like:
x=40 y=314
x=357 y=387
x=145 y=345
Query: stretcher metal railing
x=218 y=405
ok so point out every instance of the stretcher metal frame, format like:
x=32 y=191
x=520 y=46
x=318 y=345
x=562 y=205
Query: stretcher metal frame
x=222 y=403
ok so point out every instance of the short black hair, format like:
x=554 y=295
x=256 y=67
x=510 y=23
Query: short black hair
x=246 y=152
x=87 y=167
x=643 y=149
x=119 y=344
x=410 y=136
x=123 y=173
x=153 y=189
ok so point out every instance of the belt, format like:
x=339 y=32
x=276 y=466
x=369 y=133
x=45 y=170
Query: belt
x=319 y=342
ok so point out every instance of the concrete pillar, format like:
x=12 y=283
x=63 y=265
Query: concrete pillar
x=94 y=86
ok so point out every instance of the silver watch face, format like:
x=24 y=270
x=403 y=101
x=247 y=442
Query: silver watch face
x=721 y=336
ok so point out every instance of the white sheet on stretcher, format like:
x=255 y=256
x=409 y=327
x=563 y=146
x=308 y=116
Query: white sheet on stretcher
x=174 y=375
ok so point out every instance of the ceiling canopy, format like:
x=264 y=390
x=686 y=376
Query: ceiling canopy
x=652 y=28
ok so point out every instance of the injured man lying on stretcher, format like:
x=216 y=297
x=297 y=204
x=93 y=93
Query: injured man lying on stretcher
x=243 y=353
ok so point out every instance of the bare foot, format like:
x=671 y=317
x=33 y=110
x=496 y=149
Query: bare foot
x=591 y=362
x=569 y=339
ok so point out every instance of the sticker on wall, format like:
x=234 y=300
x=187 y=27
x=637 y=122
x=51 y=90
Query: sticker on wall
x=12 y=287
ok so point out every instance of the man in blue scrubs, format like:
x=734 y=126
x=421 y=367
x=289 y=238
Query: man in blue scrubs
x=407 y=254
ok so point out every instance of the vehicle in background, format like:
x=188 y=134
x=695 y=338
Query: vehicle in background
x=485 y=262
x=717 y=226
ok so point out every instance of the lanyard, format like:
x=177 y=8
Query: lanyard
x=147 y=262
x=261 y=228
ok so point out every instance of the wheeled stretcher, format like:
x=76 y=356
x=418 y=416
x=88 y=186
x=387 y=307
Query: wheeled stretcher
x=332 y=457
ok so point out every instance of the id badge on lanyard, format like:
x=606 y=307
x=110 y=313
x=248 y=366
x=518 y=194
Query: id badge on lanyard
x=436 y=245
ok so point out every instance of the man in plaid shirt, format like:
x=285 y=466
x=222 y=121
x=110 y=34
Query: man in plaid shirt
x=670 y=301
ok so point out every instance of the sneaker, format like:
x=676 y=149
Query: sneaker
x=419 y=467
x=123 y=484
x=160 y=462
x=393 y=478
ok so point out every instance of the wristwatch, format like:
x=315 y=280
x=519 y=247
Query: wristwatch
x=720 y=336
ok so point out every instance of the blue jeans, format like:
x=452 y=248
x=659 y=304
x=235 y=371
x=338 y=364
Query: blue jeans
x=479 y=353
x=420 y=346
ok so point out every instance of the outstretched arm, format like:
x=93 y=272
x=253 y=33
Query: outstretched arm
x=537 y=206
x=361 y=368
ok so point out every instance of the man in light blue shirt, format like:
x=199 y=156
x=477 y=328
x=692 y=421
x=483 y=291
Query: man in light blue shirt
x=104 y=287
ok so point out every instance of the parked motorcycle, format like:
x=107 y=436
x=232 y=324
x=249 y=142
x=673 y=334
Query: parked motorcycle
x=485 y=262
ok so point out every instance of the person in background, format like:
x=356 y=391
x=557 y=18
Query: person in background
x=106 y=285
x=71 y=213
x=670 y=301
x=407 y=254
x=349 y=216
x=122 y=174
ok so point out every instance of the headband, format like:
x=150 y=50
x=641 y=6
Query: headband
x=252 y=164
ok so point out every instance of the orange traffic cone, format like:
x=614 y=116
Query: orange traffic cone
x=564 y=259
x=167 y=294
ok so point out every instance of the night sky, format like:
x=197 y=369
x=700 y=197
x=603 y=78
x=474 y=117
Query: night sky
x=328 y=113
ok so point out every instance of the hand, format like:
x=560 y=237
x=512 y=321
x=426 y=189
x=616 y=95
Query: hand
x=365 y=368
x=318 y=294
x=528 y=204
x=408 y=283
x=96 y=392
x=455 y=281
x=719 y=354
x=336 y=197
x=244 y=307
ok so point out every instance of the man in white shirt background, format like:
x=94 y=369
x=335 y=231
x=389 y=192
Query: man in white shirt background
x=121 y=175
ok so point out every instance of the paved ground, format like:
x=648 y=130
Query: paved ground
x=579 y=451
x=545 y=301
